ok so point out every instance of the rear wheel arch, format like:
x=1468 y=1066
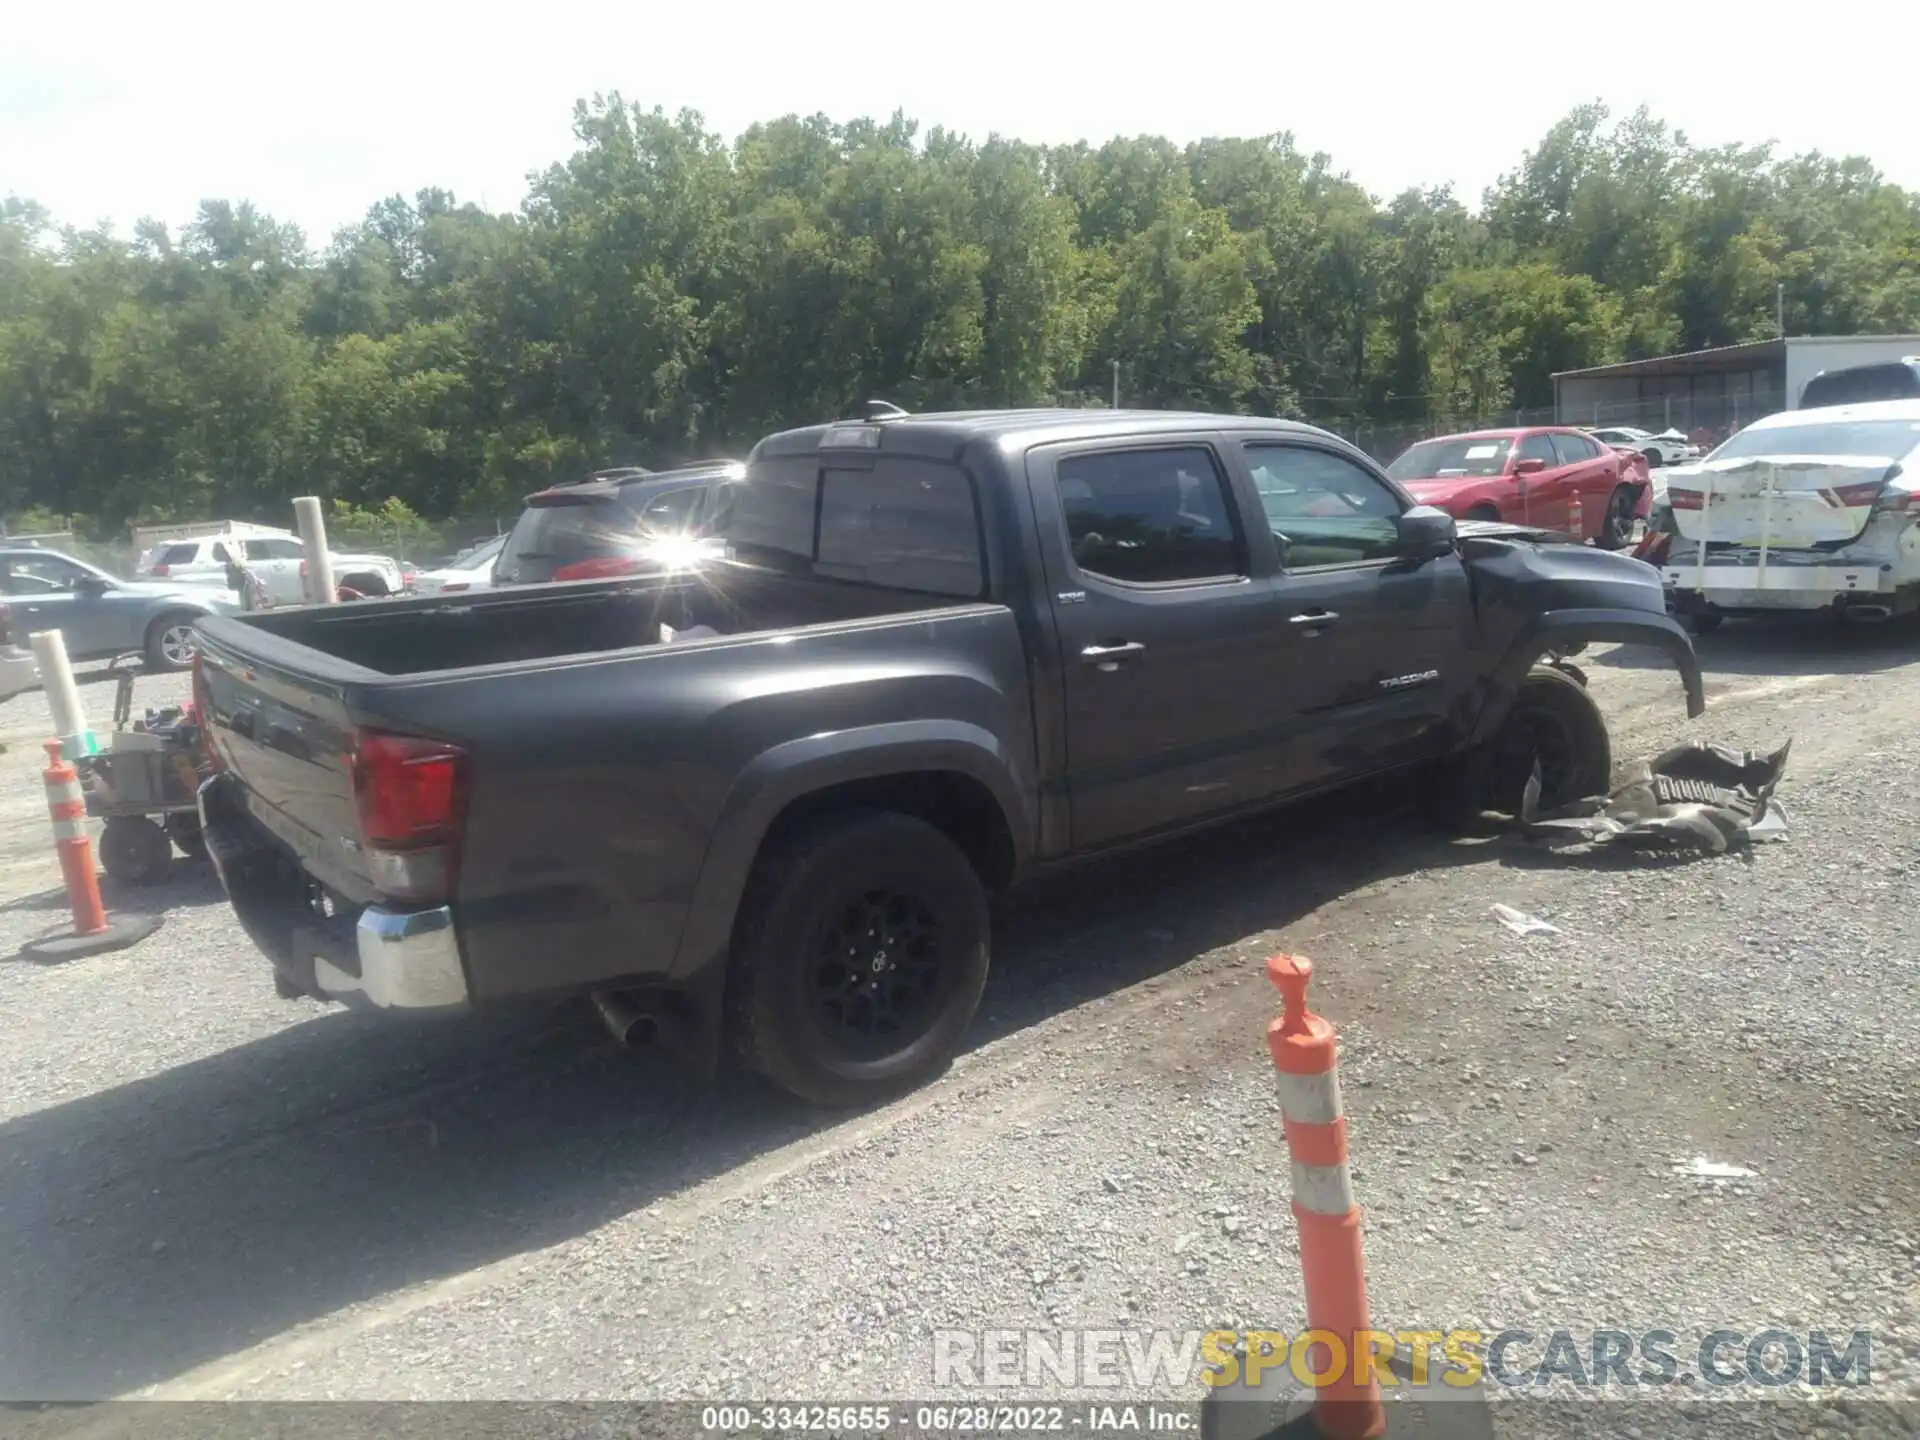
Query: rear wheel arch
x=367 y=582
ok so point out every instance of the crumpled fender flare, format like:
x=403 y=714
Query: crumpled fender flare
x=1557 y=628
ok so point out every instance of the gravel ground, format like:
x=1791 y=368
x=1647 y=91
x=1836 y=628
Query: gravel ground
x=207 y=1193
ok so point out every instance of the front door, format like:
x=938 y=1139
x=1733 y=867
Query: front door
x=50 y=592
x=1377 y=643
x=1163 y=625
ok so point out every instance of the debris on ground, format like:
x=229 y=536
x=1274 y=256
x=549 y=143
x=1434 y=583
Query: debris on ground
x=1521 y=923
x=1696 y=797
x=1701 y=1168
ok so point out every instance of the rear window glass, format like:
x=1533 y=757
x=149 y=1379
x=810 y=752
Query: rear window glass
x=274 y=549
x=1891 y=439
x=178 y=554
x=906 y=524
x=1895 y=381
x=597 y=533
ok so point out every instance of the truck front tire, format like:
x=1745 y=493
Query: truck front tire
x=860 y=955
x=1552 y=718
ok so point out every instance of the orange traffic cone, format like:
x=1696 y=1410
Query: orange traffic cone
x=1344 y=1354
x=92 y=933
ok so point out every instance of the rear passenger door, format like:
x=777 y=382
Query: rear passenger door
x=1164 y=626
x=1591 y=472
x=1545 y=495
x=1377 y=643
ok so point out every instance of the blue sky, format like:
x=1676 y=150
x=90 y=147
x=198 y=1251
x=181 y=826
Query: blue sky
x=120 y=110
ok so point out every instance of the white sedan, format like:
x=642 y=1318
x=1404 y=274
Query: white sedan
x=1669 y=447
x=1804 y=510
x=471 y=569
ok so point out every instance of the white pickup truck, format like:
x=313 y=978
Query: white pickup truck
x=1805 y=510
x=277 y=563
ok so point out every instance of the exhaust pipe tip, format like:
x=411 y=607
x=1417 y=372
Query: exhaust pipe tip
x=632 y=1026
x=1869 y=614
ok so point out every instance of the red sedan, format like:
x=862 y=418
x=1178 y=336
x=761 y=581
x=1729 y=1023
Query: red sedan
x=1529 y=477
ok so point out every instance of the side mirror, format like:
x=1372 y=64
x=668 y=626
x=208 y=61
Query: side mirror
x=91 y=585
x=1426 y=532
x=1532 y=465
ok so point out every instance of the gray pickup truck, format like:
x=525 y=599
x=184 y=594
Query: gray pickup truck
x=758 y=807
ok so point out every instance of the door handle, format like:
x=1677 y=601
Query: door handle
x=1314 y=618
x=1108 y=657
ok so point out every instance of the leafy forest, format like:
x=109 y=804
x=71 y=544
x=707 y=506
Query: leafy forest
x=663 y=294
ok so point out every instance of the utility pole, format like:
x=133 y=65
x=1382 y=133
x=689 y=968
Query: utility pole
x=1116 y=384
x=1780 y=309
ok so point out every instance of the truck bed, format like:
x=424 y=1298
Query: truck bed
x=438 y=634
x=599 y=760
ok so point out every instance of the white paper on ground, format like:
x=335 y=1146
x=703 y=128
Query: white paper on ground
x=1521 y=923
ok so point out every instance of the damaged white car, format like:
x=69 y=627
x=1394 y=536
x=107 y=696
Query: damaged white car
x=1805 y=510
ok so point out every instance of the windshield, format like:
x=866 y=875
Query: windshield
x=1451 y=459
x=606 y=531
x=1891 y=438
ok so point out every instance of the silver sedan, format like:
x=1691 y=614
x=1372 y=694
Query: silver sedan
x=100 y=616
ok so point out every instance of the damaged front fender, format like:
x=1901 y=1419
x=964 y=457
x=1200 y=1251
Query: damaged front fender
x=1568 y=631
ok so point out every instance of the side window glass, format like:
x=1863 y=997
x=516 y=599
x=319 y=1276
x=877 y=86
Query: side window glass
x=220 y=554
x=906 y=523
x=1572 y=449
x=1323 y=509
x=1150 y=517
x=1538 y=447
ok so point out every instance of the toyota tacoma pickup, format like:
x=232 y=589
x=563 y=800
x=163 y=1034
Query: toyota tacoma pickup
x=759 y=806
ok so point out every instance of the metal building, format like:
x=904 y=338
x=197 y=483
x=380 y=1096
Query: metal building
x=1713 y=392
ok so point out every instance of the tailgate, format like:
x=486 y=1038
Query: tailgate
x=285 y=735
x=1785 y=502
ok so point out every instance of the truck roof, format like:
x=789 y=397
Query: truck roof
x=942 y=432
x=609 y=480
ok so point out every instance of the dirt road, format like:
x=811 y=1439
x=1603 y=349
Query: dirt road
x=206 y=1192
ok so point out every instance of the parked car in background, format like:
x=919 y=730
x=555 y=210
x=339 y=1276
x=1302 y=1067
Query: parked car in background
x=280 y=569
x=471 y=569
x=1528 y=477
x=18 y=670
x=1669 y=447
x=621 y=522
x=276 y=561
x=203 y=559
x=1804 y=510
x=100 y=616
x=1858 y=384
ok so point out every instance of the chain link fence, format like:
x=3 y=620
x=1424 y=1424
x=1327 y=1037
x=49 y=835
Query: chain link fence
x=1706 y=420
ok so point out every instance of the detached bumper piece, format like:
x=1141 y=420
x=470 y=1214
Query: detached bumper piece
x=389 y=959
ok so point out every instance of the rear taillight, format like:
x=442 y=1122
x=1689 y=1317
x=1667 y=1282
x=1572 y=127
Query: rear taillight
x=161 y=568
x=202 y=708
x=455 y=585
x=409 y=794
x=1864 y=493
x=600 y=569
x=1678 y=499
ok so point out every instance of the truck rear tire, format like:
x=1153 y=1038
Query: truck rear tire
x=860 y=952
